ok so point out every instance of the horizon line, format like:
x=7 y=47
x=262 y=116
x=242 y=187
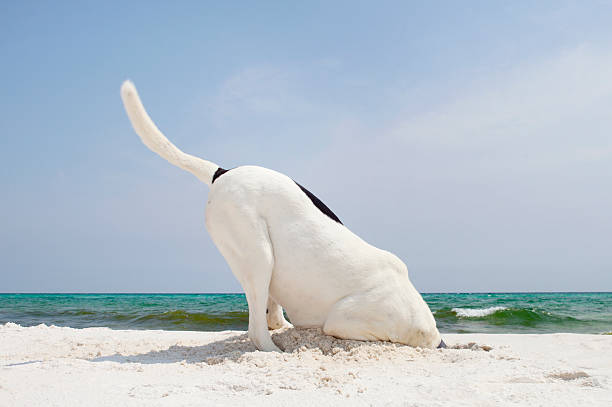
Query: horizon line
x=242 y=293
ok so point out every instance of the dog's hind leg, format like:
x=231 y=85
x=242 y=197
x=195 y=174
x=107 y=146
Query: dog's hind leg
x=242 y=237
x=380 y=315
x=276 y=319
x=256 y=290
x=352 y=318
x=254 y=273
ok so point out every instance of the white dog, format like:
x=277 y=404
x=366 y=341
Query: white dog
x=288 y=250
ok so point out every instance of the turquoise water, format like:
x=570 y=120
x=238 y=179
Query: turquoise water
x=487 y=313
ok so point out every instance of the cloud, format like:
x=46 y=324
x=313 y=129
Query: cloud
x=549 y=112
x=537 y=116
x=255 y=91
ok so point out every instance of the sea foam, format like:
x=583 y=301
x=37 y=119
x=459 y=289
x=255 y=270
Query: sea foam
x=478 y=312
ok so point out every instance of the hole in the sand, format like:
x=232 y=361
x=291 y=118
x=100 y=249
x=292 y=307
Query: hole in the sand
x=294 y=339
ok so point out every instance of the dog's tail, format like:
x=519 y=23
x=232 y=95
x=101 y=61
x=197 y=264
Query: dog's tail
x=156 y=141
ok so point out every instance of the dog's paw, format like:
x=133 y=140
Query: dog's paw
x=285 y=324
x=279 y=325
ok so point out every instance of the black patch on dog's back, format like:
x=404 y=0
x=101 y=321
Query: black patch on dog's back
x=316 y=201
x=319 y=204
x=220 y=171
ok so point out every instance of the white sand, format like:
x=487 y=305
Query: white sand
x=45 y=365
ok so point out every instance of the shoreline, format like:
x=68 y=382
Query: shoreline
x=46 y=365
x=454 y=313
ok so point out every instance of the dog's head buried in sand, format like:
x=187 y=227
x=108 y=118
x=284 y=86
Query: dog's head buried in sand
x=288 y=250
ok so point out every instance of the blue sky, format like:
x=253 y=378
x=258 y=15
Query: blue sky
x=472 y=139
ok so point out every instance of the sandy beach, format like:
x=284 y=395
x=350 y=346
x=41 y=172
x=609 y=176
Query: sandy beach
x=48 y=365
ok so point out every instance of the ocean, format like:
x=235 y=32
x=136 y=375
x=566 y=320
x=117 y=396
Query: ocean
x=454 y=313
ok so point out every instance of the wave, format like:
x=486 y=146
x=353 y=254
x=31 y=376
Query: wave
x=180 y=317
x=505 y=316
x=177 y=319
x=478 y=312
